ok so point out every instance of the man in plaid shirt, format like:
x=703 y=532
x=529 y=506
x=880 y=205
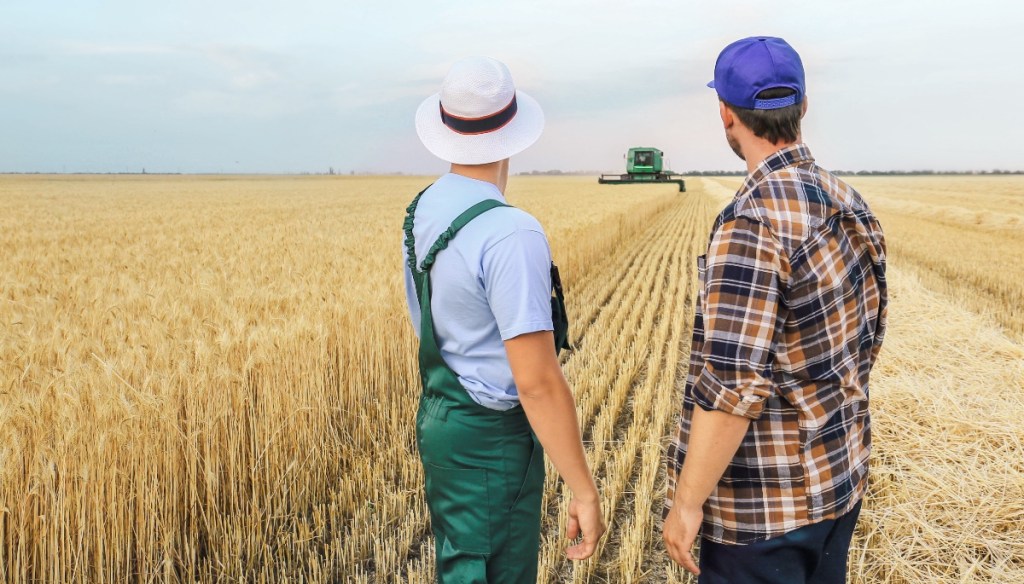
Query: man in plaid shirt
x=771 y=458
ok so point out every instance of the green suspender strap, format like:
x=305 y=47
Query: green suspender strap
x=559 y=318
x=434 y=372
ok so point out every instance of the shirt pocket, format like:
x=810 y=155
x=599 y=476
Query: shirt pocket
x=532 y=488
x=702 y=268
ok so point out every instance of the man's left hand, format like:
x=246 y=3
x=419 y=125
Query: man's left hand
x=680 y=533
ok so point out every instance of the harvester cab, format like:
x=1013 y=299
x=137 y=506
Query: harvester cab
x=644 y=165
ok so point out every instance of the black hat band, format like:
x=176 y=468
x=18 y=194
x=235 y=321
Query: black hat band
x=482 y=125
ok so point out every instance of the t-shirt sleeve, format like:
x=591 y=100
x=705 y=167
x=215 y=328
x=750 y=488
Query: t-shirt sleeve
x=517 y=281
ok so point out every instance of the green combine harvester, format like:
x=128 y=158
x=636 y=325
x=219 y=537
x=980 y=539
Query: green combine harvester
x=644 y=165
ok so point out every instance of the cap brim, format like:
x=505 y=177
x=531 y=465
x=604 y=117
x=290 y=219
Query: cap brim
x=711 y=84
x=522 y=131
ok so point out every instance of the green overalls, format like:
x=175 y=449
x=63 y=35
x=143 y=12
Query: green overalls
x=484 y=468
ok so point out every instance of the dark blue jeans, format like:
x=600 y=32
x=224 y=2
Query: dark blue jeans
x=814 y=554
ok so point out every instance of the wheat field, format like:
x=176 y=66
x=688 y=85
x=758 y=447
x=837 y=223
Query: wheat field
x=212 y=379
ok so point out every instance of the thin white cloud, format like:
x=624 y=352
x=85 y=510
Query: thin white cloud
x=131 y=80
x=79 y=48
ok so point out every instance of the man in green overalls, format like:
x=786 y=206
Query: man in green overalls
x=480 y=283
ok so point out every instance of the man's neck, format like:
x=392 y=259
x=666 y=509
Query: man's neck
x=757 y=151
x=495 y=173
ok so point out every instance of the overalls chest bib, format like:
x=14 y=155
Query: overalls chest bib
x=483 y=468
x=439 y=380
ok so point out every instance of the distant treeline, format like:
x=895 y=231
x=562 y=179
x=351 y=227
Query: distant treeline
x=839 y=172
x=872 y=172
x=925 y=172
x=560 y=173
x=332 y=172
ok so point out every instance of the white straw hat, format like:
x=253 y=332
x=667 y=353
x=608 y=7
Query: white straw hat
x=478 y=116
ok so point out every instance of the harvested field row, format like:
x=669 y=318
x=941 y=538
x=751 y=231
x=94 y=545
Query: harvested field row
x=946 y=502
x=974 y=194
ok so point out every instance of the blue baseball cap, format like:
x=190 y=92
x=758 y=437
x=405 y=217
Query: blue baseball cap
x=751 y=65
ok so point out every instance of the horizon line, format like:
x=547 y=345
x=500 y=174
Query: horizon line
x=692 y=172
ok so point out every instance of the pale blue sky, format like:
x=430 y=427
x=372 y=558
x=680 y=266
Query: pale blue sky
x=257 y=86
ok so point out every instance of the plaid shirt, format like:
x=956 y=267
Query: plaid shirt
x=789 y=321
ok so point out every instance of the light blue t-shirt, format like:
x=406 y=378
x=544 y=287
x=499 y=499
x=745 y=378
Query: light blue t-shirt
x=491 y=284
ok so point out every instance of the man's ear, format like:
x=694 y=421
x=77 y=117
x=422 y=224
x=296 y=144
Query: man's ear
x=727 y=116
x=803 y=108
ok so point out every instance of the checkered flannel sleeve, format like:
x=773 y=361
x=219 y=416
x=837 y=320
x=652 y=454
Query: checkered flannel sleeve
x=744 y=270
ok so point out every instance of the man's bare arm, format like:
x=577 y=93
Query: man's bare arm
x=714 y=438
x=549 y=405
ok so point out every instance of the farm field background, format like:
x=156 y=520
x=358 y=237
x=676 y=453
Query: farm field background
x=207 y=379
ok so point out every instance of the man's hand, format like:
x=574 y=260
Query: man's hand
x=680 y=533
x=585 y=517
x=714 y=438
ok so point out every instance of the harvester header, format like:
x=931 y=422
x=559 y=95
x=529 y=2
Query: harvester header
x=644 y=165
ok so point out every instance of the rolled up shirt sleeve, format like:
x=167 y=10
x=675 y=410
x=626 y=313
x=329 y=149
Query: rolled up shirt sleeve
x=517 y=281
x=744 y=271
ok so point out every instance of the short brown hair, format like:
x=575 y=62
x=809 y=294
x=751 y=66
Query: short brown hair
x=774 y=125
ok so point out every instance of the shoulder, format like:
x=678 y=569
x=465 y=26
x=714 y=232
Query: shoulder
x=512 y=219
x=793 y=202
x=502 y=235
x=508 y=228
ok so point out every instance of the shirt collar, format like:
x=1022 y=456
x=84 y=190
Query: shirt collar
x=495 y=192
x=789 y=156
